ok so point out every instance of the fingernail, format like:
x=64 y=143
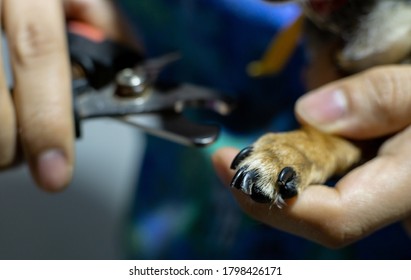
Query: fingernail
x=323 y=109
x=53 y=170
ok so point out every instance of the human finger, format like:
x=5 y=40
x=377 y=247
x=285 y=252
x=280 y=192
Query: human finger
x=7 y=123
x=368 y=198
x=367 y=105
x=42 y=91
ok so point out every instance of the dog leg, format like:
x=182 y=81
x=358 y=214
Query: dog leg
x=279 y=165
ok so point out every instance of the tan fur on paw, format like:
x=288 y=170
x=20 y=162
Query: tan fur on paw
x=279 y=165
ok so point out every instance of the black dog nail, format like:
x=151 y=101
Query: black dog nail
x=240 y=157
x=259 y=196
x=287 y=183
x=247 y=183
x=238 y=178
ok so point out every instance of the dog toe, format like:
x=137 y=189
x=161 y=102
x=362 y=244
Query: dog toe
x=244 y=153
x=287 y=183
x=247 y=181
x=278 y=166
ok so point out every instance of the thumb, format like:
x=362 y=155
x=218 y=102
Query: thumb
x=374 y=103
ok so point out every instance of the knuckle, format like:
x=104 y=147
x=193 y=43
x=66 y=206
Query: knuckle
x=39 y=130
x=30 y=42
x=387 y=88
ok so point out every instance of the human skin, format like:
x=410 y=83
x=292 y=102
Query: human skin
x=39 y=116
x=365 y=106
x=36 y=122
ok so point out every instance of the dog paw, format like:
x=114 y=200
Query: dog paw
x=280 y=165
x=265 y=173
x=258 y=180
